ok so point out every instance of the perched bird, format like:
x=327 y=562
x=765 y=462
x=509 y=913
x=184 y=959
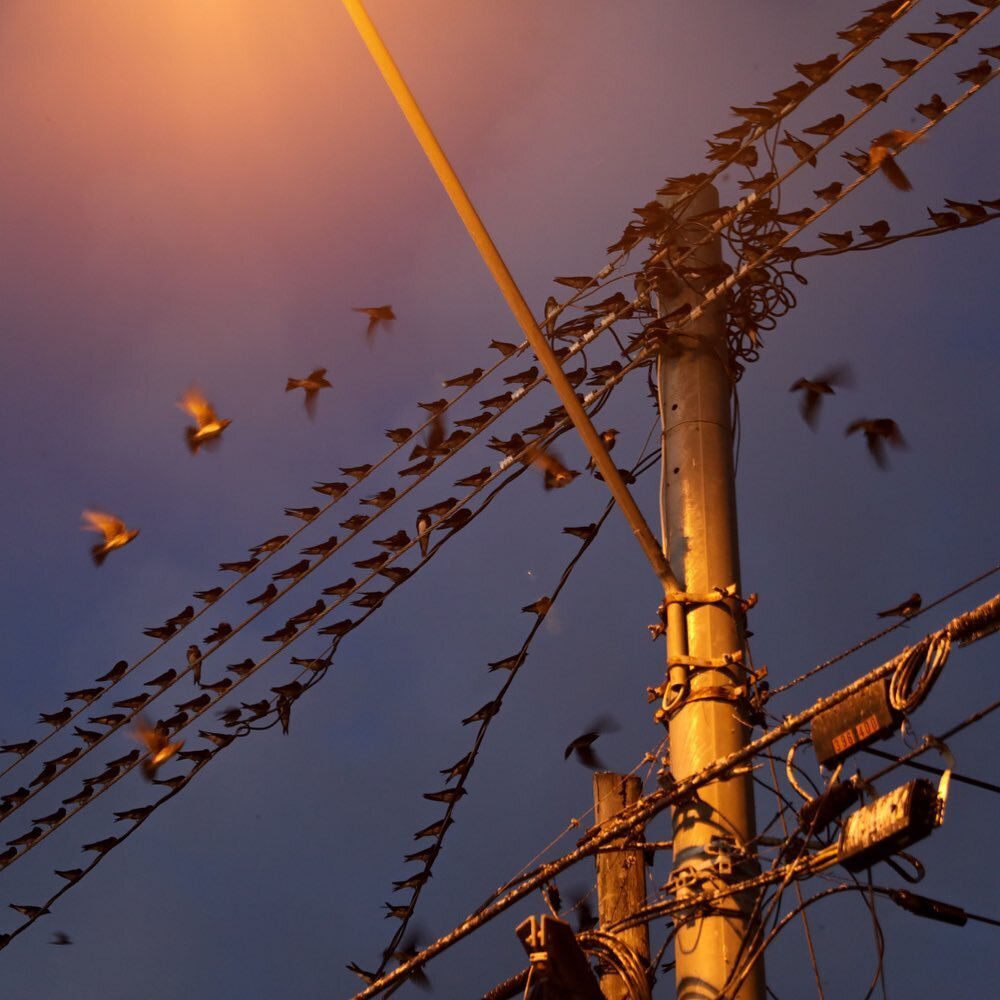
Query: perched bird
x=338 y=629
x=382 y=499
x=931 y=39
x=208 y=427
x=88 y=735
x=56 y=719
x=880 y=156
x=424 y=532
x=475 y=423
x=399 y=435
x=867 y=93
x=29 y=911
x=828 y=126
x=101 y=846
x=961 y=19
x=932 y=109
x=370 y=599
x=341 y=589
x=877 y=231
x=839 y=241
x=86 y=695
x=397 y=574
x=377 y=316
x=293 y=572
x=944 y=220
x=608 y=439
x=160 y=631
x=314 y=663
x=19 y=748
x=464 y=381
x=355 y=521
x=163 y=680
x=113 y=528
x=312 y=384
x=877 y=433
x=424 y=465
x=967 y=210
x=194 y=662
x=446 y=795
x=813 y=390
x=241 y=669
x=376 y=561
x=267 y=595
x=585 y=531
x=158 y=746
x=208 y=596
x=81 y=796
x=583 y=745
x=269 y=545
x=70 y=874
x=333 y=490
x=903 y=67
x=456 y=520
x=52 y=818
x=134 y=815
x=284 y=634
x=523 y=378
x=799 y=147
x=242 y=568
x=220 y=632
x=113 y=720
x=508 y=662
x=28 y=838
x=457 y=770
x=484 y=713
x=434 y=829
x=306 y=514
x=395 y=542
x=977 y=75
x=505 y=349
x=904 y=609
x=131 y=704
x=500 y=402
x=539 y=607
x=476 y=479
x=357 y=472
x=320 y=548
x=831 y=192
x=61 y=937
x=115 y=674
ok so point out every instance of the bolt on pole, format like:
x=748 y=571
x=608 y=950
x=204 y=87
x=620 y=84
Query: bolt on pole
x=706 y=704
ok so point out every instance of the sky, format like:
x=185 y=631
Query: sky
x=200 y=194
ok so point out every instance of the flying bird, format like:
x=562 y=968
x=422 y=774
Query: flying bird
x=116 y=534
x=813 y=390
x=880 y=156
x=583 y=745
x=312 y=384
x=157 y=744
x=556 y=475
x=904 y=609
x=208 y=427
x=61 y=937
x=877 y=433
x=377 y=316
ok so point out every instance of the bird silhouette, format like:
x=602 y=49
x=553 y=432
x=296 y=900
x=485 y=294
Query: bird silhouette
x=933 y=108
x=208 y=427
x=555 y=474
x=799 y=147
x=904 y=609
x=877 y=433
x=814 y=389
x=208 y=596
x=377 y=316
x=876 y=231
x=116 y=534
x=115 y=674
x=583 y=745
x=312 y=384
x=61 y=937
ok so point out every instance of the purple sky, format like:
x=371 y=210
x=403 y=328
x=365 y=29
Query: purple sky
x=200 y=193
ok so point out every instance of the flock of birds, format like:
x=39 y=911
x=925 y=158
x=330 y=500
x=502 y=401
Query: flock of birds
x=208 y=427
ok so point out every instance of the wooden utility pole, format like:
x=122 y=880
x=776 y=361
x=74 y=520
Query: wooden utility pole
x=705 y=701
x=621 y=874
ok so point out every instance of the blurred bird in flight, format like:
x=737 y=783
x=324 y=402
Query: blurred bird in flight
x=113 y=528
x=156 y=742
x=312 y=384
x=814 y=389
x=377 y=315
x=877 y=433
x=208 y=427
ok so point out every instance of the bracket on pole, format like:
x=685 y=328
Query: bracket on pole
x=558 y=964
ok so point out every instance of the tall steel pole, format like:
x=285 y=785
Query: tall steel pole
x=705 y=700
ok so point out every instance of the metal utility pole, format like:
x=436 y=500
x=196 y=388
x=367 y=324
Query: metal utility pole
x=621 y=874
x=705 y=699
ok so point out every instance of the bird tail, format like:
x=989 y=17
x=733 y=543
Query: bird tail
x=192 y=440
x=98 y=553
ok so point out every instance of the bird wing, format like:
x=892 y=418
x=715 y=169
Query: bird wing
x=107 y=524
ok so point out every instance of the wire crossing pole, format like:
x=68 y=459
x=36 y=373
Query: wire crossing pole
x=705 y=701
